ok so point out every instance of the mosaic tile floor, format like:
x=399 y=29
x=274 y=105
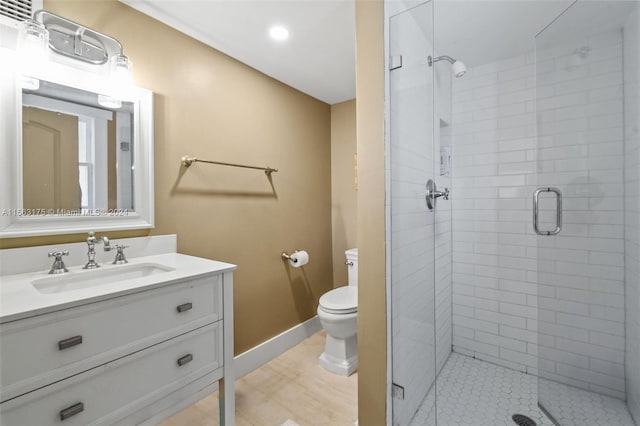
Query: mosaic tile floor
x=476 y=393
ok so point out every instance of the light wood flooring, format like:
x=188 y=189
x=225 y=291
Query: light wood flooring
x=291 y=389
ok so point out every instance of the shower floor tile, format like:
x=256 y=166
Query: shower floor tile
x=471 y=392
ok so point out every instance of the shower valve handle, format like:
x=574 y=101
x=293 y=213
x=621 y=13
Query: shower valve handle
x=432 y=194
x=444 y=194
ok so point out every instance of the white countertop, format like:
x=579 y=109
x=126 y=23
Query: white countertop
x=20 y=299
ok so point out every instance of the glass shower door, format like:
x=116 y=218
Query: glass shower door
x=579 y=214
x=412 y=222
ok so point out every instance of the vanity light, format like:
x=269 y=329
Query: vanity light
x=33 y=39
x=120 y=70
x=109 y=102
x=75 y=41
x=119 y=79
x=279 y=33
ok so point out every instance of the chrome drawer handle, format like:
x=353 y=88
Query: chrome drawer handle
x=185 y=360
x=184 y=307
x=69 y=343
x=71 y=411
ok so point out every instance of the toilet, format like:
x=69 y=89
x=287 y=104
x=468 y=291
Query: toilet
x=338 y=313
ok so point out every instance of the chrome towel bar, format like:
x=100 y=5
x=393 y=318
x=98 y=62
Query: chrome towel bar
x=188 y=161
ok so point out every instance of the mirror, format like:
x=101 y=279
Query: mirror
x=71 y=164
x=76 y=154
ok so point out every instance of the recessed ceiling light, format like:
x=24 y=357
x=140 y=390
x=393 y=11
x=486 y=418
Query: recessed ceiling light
x=279 y=33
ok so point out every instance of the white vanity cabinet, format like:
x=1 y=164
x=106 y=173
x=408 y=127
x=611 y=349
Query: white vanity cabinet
x=130 y=357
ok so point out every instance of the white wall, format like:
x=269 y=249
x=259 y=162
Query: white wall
x=632 y=208
x=581 y=271
x=496 y=262
x=443 y=140
x=494 y=255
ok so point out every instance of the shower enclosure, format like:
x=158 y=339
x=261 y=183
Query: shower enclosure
x=586 y=68
x=520 y=293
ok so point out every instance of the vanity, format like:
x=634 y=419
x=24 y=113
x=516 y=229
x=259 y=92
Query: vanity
x=122 y=342
x=127 y=343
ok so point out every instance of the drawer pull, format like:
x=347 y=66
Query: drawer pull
x=185 y=307
x=185 y=360
x=71 y=411
x=69 y=343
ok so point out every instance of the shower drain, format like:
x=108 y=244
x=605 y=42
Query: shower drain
x=522 y=420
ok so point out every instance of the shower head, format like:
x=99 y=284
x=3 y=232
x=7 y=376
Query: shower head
x=458 y=68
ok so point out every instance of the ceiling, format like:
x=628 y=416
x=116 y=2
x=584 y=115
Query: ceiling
x=319 y=57
x=479 y=32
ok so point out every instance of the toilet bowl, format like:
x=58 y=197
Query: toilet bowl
x=338 y=314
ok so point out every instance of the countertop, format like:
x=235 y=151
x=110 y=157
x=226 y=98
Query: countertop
x=20 y=299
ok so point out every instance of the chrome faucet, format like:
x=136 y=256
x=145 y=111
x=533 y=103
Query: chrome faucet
x=91 y=243
x=58 y=266
x=120 y=257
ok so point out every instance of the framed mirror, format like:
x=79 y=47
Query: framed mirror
x=72 y=162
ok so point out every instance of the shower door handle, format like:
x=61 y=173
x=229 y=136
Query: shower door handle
x=536 y=196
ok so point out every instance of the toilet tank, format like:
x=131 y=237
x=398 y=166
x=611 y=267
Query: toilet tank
x=352 y=265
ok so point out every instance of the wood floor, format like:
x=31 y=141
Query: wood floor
x=292 y=389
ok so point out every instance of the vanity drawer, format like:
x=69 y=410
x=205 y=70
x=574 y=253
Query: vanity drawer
x=112 y=392
x=40 y=350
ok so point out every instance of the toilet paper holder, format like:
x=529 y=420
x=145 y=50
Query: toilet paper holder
x=286 y=256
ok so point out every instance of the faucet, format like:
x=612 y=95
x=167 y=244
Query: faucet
x=91 y=243
x=58 y=266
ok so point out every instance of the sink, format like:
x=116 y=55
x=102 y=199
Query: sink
x=83 y=279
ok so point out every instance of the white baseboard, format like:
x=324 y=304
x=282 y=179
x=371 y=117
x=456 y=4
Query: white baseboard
x=259 y=355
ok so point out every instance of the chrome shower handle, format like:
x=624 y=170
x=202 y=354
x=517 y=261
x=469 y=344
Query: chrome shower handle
x=444 y=194
x=536 y=203
x=432 y=194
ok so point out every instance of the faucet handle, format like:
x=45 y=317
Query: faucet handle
x=120 y=257
x=58 y=254
x=58 y=266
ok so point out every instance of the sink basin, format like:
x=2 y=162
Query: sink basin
x=97 y=277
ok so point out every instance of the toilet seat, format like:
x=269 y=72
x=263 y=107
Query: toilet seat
x=341 y=300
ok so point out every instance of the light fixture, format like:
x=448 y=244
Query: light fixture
x=33 y=39
x=279 y=33
x=75 y=41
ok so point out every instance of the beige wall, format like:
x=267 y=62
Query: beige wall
x=212 y=106
x=372 y=336
x=343 y=189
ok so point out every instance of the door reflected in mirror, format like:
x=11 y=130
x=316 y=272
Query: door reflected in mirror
x=77 y=155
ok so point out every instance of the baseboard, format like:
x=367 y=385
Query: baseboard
x=259 y=355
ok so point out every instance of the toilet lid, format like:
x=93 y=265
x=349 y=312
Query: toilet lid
x=341 y=300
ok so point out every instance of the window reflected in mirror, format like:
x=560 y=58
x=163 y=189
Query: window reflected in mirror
x=77 y=155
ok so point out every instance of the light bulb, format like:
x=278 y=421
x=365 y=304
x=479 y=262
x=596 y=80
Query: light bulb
x=120 y=70
x=32 y=48
x=109 y=102
x=30 y=83
x=279 y=33
x=119 y=82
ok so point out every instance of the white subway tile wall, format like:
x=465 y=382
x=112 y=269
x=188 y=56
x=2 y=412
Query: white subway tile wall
x=496 y=263
x=443 y=247
x=631 y=34
x=494 y=250
x=581 y=271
